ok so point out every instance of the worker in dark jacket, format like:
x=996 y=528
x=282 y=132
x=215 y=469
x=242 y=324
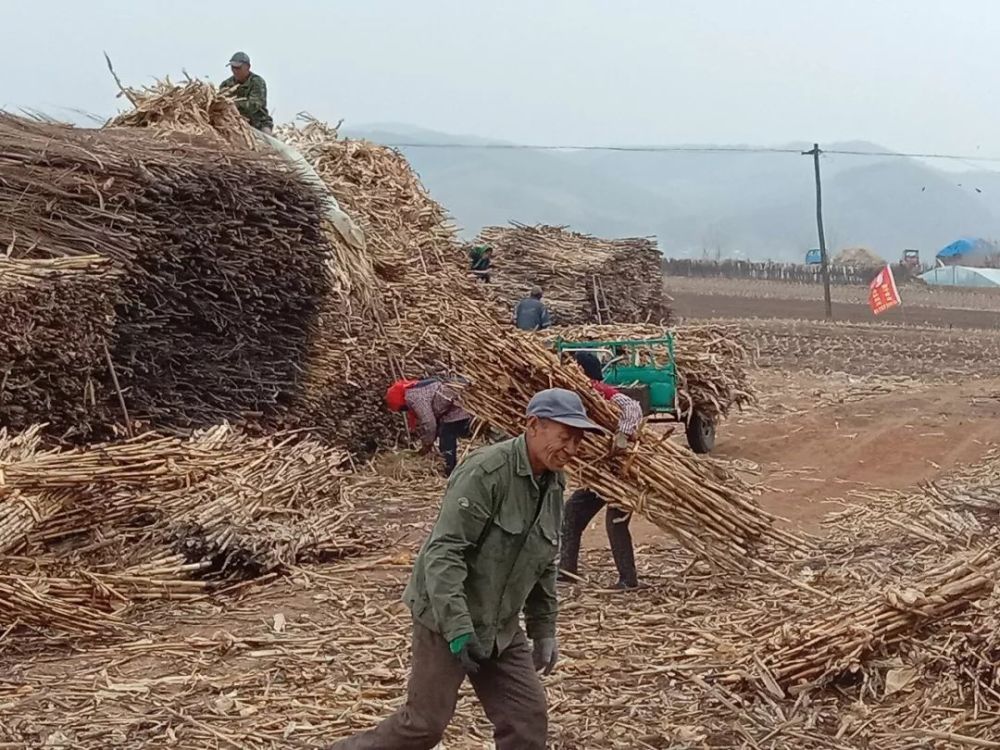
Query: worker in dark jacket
x=531 y=313
x=584 y=504
x=249 y=92
x=480 y=262
x=490 y=557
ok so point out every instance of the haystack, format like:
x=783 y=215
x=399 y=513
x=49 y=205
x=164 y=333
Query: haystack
x=858 y=256
x=220 y=252
x=586 y=279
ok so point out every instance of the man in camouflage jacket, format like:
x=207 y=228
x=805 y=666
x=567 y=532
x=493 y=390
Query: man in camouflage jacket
x=249 y=92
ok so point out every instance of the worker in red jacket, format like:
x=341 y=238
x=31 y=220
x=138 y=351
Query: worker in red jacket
x=584 y=504
x=434 y=411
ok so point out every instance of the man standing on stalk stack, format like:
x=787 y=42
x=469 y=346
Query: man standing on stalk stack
x=250 y=92
x=491 y=555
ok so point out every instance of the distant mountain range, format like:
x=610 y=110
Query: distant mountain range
x=755 y=205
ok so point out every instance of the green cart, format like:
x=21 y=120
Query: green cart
x=645 y=369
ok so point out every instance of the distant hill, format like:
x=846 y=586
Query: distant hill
x=758 y=205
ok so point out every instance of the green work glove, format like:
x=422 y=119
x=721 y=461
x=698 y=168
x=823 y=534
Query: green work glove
x=545 y=654
x=467 y=650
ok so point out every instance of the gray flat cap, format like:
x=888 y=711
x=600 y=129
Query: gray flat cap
x=239 y=58
x=561 y=406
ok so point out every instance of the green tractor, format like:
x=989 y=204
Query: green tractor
x=646 y=370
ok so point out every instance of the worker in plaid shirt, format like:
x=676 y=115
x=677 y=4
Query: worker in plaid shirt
x=434 y=411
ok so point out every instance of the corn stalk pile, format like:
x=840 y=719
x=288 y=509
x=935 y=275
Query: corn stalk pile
x=58 y=317
x=585 y=279
x=712 y=361
x=439 y=320
x=142 y=517
x=194 y=108
x=221 y=256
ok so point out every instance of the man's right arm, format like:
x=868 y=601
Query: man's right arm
x=465 y=512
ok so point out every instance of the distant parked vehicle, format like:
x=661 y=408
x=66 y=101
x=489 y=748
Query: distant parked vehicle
x=814 y=257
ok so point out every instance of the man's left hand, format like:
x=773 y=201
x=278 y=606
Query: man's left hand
x=545 y=654
x=621 y=442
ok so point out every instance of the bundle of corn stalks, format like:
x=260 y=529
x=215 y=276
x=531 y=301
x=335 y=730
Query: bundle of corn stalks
x=585 y=279
x=194 y=108
x=221 y=255
x=57 y=323
x=712 y=361
x=798 y=656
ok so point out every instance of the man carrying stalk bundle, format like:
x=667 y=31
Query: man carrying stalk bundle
x=249 y=91
x=491 y=555
x=584 y=504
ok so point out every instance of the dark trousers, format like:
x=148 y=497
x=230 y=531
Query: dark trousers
x=507 y=686
x=580 y=509
x=448 y=435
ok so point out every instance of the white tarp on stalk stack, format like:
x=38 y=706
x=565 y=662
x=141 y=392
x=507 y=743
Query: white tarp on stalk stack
x=343 y=223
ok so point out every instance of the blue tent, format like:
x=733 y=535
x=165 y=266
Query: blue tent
x=965 y=249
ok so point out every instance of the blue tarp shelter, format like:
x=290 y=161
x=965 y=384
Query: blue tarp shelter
x=966 y=251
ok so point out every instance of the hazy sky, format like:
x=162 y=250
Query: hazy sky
x=914 y=75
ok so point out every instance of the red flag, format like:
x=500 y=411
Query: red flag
x=882 y=292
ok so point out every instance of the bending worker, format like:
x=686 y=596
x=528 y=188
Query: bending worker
x=531 y=314
x=584 y=504
x=249 y=91
x=490 y=557
x=434 y=411
x=480 y=262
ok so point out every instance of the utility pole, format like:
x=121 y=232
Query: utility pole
x=825 y=267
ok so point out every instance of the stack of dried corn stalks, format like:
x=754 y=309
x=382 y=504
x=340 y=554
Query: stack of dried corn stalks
x=712 y=361
x=137 y=519
x=221 y=255
x=58 y=319
x=585 y=279
x=441 y=320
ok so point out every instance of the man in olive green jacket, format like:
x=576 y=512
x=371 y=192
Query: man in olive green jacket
x=490 y=557
x=249 y=91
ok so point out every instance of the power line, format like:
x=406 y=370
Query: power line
x=686 y=149
x=635 y=149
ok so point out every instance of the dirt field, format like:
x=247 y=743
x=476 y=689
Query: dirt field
x=922 y=306
x=846 y=414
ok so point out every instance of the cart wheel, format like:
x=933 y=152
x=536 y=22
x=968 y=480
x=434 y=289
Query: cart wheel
x=701 y=433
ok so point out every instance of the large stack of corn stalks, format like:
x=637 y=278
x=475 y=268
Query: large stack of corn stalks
x=712 y=361
x=439 y=320
x=58 y=319
x=220 y=252
x=585 y=279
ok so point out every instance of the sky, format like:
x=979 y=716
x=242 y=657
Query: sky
x=911 y=75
